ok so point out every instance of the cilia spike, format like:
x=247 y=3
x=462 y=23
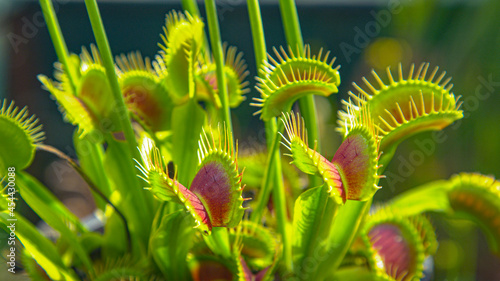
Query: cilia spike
x=293 y=75
x=403 y=107
x=215 y=195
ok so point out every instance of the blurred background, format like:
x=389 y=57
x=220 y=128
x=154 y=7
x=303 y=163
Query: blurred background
x=462 y=37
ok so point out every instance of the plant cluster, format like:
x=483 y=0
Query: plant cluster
x=155 y=144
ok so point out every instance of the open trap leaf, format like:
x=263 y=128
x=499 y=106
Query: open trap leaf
x=18 y=137
x=73 y=109
x=218 y=181
x=353 y=172
x=309 y=160
x=144 y=93
x=357 y=157
x=295 y=74
x=91 y=101
x=155 y=173
x=93 y=87
x=477 y=197
x=404 y=107
x=215 y=195
x=397 y=247
x=182 y=42
x=235 y=71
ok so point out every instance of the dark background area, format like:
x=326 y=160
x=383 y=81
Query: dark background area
x=462 y=37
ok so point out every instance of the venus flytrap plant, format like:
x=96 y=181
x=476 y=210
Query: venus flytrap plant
x=185 y=218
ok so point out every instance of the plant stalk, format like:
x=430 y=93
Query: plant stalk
x=140 y=199
x=273 y=174
x=307 y=106
x=342 y=234
x=215 y=41
x=58 y=40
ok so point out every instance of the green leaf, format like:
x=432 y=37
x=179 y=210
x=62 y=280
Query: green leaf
x=258 y=244
x=90 y=154
x=40 y=248
x=187 y=121
x=31 y=267
x=429 y=197
x=53 y=212
x=91 y=241
x=128 y=196
x=170 y=243
x=114 y=243
x=358 y=273
x=312 y=217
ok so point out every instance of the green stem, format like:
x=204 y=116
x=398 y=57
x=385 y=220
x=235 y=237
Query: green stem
x=58 y=40
x=259 y=41
x=191 y=7
x=215 y=41
x=307 y=106
x=342 y=234
x=107 y=60
x=140 y=199
x=269 y=178
x=291 y=24
x=273 y=172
